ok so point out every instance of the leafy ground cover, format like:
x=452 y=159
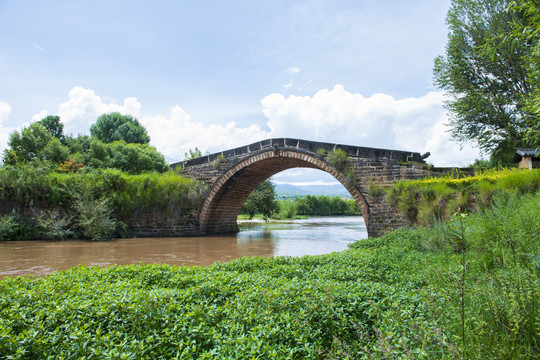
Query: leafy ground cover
x=467 y=288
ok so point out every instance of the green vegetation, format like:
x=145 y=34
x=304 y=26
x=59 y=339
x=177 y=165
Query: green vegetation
x=490 y=70
x=468 y=288
x=193 y=154
x=130 y=157
x=425 y=201
x=321 y=205
x=338 y=159
x=93 y=205
x=117 y=127
x=118 y=141
x=525 y=29
x=220 y=159
x=529 y=31
x=262 y=201
x=57 y=186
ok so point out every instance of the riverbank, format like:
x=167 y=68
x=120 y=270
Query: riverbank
x=39 y=202
x=467 y=288
x=260 y=217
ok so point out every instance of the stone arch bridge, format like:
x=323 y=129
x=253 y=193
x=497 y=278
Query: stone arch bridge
x=233 y=174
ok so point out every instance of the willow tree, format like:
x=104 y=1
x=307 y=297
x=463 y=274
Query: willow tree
x=526 y=29
x=485 y=77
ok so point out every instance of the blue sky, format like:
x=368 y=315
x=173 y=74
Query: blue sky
x=219 y=74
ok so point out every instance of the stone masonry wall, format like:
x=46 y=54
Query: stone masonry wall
x=147 y=223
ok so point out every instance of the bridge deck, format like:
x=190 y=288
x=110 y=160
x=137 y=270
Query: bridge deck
x=306 y=145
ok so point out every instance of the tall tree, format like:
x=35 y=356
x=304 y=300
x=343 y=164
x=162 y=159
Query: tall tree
x=115 y=126
x=34 y=142
x=53 y=124
x=261 y=201
x=487 y=89
x=526 y=29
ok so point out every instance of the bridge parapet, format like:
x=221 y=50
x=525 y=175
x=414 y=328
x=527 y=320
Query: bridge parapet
x=306 y=145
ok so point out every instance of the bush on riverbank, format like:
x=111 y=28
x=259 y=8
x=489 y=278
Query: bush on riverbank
x=315 y=205
x=424 y=201
x=86 y=202
x=470 y=285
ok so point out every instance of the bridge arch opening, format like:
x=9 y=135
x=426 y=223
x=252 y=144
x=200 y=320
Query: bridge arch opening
x=220 y=210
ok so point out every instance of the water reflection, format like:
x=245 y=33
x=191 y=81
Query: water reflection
x=294 y=238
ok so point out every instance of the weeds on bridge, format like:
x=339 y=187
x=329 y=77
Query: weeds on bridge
x=338 y=159
x=220 y=159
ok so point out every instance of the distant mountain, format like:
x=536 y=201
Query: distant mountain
x=289 y=190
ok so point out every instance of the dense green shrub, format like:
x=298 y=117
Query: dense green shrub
x=118 y=141
x=52 y=225
x=130 y=157
x=287 y=209
x=36 y=185
x=323 y=205
x=115 y=126
x=94 y=217
x=14 y=226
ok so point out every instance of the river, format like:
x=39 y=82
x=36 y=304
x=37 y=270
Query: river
x=313 y=236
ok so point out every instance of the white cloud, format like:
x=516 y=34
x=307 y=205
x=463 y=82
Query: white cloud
x=304 y=176
x=292 y=70
x=5 y=110
x=175 y=135
x=36 y=117
x=289 y=84
x=84 y=107
x=38 y=47
x=338 y=116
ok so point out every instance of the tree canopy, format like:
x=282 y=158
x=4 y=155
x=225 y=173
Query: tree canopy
x=129 y=157
x=485 y=77
x=44 y=140
x=261 y=201
x=115 y=126
x=54 y=126
x=527 y=30
x=34 y=142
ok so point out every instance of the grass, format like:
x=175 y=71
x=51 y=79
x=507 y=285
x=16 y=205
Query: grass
x=466 y=288
x=427 y=200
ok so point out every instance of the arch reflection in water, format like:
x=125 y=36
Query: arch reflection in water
x=295 y=238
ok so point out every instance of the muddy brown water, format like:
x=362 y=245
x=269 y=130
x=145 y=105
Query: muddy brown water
x=313 y=236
